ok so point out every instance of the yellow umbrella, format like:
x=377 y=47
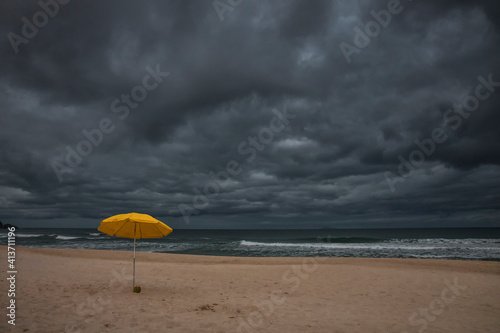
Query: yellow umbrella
x=136 y=226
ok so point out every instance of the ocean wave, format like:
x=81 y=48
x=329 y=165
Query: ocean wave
x=465 y=241
x=386 y=246
x=345 y=240
x=66 y=237
x=29 y=235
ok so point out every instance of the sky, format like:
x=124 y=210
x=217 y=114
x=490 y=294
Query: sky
x=251 y=114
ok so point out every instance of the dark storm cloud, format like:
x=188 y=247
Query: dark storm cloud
x=326 y=167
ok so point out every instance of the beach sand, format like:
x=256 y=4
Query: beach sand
x=61 y=290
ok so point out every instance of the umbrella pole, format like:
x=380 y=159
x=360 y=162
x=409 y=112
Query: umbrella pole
x=133 y=281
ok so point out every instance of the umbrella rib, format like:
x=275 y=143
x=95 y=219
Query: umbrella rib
x=120 y=228
x=156 y=226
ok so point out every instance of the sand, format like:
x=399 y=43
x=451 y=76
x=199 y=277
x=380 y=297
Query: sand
x=60 y=290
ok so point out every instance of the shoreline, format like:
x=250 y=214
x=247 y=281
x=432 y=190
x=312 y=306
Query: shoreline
x=86 y=290
x=225 y=259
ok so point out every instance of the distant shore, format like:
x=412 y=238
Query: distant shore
x=68 y=290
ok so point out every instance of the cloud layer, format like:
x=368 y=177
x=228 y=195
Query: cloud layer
x=330 y=164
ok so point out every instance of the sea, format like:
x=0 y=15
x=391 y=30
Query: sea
x=462 y=243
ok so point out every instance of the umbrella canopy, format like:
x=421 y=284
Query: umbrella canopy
x=136 y=226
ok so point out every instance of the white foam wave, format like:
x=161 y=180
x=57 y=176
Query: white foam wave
x=366 y=246
x=454 y=241
x=66 y=237
x=410 y=244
